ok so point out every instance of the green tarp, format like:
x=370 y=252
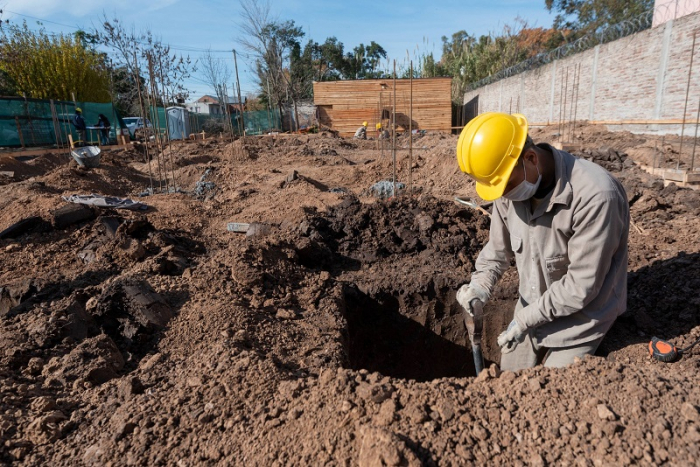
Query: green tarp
x=37 y=122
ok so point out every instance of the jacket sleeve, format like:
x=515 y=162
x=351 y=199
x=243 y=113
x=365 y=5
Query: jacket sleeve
x=598 y=230
x=496 y=256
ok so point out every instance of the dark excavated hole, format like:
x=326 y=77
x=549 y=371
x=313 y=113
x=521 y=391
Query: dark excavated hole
x=425 y=342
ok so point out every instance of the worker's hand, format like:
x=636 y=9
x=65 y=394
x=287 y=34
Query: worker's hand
x=511 y=337
x=469 y=292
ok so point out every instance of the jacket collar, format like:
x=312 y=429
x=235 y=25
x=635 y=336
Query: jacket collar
x=562 y=193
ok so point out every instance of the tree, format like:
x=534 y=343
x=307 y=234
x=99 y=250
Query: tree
x=581 y=17
x=216 y=74
x=46 y=66
x=468 y=59
x=129 y=62
x=272 y=44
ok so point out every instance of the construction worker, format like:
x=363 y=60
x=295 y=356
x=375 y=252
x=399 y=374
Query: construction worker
x=565 y=221
x=79 y=124
x=381 y=134
x=104 y=126
x=361 y=132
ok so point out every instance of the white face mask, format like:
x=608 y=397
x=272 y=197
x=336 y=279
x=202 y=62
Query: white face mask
x=525 y=190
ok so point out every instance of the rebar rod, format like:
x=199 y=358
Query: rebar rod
x=159 y=141
x=167 y=122
x=240 y=103
x=578 y=86
x=410 y=133
x=561 y=99
x=695 y=139
x=137 y=81
x=571 y=105
x=566 y=93
x=393 y=144
x=685 y=107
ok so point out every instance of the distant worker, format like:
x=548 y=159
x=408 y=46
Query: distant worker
x=381 y=133
x=104 y=126
x=79 y=124
x=361 y=132
x=565 y=220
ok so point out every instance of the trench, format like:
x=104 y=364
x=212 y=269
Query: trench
x=417 y=337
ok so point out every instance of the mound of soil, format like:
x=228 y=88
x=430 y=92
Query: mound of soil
x=329 y=334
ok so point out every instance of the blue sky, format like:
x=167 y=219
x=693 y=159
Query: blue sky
x=407 y=28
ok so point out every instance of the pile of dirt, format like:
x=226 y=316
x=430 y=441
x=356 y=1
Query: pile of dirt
x=330 y=332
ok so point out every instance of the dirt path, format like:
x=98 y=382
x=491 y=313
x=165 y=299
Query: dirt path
x=332 y=336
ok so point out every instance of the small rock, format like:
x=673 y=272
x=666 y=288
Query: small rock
x=605 y=413
x=123 y=430
x=534 y=384
x=479 y=432
x=43 y=404
x=417 y=414
x=12 y=247
x=446 y=411
x=494 y=371
x=346 y=406
x=379 y=393
x=387 y=412
x=35 y=365
x=284 y=313
x=690 y=412
x=129 y=387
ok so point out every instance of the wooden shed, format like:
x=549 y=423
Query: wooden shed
x=344 y=105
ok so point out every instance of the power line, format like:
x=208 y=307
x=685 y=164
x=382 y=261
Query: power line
x=181 y=48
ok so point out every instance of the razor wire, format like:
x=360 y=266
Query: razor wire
x=604 y=35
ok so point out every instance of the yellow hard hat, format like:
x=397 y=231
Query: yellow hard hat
x=488 y=149
x=364 y=123
x=378 y=126
x=78 y=109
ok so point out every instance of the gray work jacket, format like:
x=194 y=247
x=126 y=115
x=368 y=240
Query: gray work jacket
x=571 y=254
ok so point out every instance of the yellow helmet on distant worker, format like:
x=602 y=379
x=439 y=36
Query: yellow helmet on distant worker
x=378 y=126
x=78 y=109
x=364 y=123
x=488 y=149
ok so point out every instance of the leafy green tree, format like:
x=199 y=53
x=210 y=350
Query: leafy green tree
x=581 y=17
x=46 y=66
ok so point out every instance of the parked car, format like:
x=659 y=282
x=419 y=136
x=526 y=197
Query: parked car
x=135 y=125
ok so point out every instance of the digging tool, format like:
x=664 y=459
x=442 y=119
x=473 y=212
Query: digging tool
x=664 y=351
x=472 y=204
x=474 y=322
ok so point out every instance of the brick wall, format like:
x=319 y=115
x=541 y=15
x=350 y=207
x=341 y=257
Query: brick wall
x=638 y=82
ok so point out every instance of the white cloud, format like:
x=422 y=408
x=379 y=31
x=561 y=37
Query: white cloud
x=56 y=10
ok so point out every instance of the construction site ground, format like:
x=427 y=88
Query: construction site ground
x=329 y=334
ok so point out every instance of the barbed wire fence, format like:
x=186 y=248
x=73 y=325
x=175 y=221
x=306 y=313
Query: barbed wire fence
x=653 y=17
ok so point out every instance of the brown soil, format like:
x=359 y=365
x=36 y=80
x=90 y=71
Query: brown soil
x=332 y=336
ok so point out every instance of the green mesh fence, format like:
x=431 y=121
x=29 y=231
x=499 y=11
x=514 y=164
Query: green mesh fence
x=262 y=121
x=37 y=122
x=256 y=122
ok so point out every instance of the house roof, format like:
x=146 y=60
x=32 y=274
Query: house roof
x=208 y=98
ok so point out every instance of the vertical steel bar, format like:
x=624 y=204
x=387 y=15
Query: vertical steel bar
x=578 y=85
x=410 y=134
x=167 y=121
x=137 y=81
x=695 y=139
x=240 y=102
x=393 y=139
x=561 y=99
x=685 y=107
x=566 y=92
x=155 y=121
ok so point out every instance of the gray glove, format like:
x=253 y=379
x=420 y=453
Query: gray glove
x=511 y=337
x=469 y=292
